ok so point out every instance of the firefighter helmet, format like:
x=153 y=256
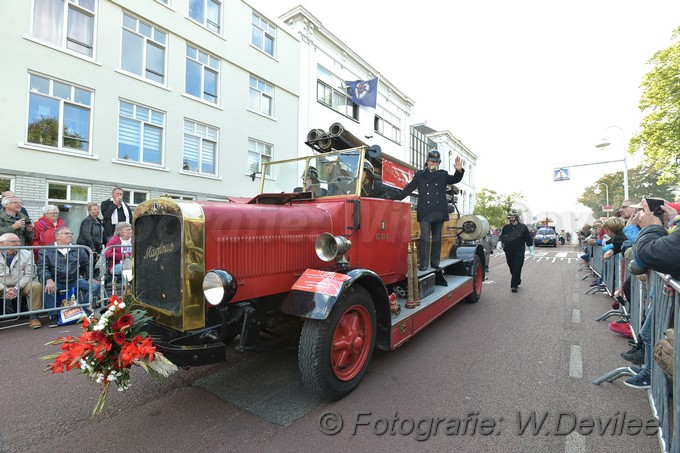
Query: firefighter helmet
x=368 y=167
x=434 y=156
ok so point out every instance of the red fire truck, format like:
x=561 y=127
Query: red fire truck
x=338 y=270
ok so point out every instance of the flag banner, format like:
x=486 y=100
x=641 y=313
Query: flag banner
x=363 y=93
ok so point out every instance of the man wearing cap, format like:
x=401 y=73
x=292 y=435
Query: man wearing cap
x=371 y=187
x=433 y=207
x=513 y=237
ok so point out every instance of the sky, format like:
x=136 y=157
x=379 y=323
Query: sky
x=526 y=85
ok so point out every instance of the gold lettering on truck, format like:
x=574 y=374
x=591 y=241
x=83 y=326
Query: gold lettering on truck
x=153 y=253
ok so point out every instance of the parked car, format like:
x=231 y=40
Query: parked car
x=545 y=236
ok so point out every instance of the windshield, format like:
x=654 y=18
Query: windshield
x=545 y=231
x=328 y=174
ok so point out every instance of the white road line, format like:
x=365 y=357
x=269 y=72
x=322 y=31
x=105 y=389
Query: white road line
x=561 y=254
x=576 y=316
x=575 y=443
x=554 y=260
x=576 y=362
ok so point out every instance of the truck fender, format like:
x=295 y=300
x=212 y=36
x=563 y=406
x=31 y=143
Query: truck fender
x=467 y=254
x=315 y=305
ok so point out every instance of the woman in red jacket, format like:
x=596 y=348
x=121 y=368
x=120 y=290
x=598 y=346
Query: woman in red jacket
x=43 y=232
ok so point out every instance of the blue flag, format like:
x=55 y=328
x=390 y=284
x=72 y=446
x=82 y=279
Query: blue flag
x=363 y=93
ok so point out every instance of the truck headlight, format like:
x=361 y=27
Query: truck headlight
x=218 y=287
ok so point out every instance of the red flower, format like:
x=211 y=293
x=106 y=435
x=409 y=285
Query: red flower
x=119 y=338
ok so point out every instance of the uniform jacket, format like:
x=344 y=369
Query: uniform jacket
x=432 y=203
x=376 y=189
x=91 y=233
x=63 y=269
x=514 y=237
x=659 y=250
x=6 y=223
x=107 y=208
x=19 y=273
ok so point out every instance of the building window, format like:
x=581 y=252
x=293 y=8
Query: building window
x=200 y=148
x=58 y=114
x=332 y=92
x=259 y=153
x=140 y=134
x=261 y=97
x=5 y=183
x=71 y=199
x=264 y=35
x=135 y=197
x=387 y=125
x=208 y=13
x=202 y=74
x=68 y=24
x=143 y=49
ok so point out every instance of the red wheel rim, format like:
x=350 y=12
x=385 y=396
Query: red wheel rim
x=478 y=278
x=351 y=342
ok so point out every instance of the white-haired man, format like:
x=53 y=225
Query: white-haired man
x=17 y=277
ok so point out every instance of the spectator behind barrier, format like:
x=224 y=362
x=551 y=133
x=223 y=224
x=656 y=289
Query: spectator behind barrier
x=17 y=277
x=63 y=268
x=45 y=226
x=12 y=220
x=115 y=255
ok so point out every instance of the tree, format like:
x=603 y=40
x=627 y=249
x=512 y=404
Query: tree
x=643 y=181
x=494 y=206
x=659 y=137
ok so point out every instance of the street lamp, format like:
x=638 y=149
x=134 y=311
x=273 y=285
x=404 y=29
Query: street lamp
x=598 y=192
x=604 y=143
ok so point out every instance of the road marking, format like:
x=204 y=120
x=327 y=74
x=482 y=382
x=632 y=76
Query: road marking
x=576 y=362
x=554 y=260
x=575 y=443
x=576 y=316
x=561 y=254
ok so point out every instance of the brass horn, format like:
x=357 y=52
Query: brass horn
x=329 y=247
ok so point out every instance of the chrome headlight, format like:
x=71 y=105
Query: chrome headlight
x=218 y=287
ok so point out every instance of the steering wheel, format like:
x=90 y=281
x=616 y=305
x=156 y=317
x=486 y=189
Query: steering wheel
x=341 y=185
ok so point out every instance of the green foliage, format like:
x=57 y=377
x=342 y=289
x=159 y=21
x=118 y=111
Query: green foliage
x=659 y=137
x=643 y=181
x=45 y=131
x=494 y=206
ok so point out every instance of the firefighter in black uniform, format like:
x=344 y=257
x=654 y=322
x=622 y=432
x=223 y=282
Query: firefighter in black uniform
x=433 y=206
x=512 y=239
x=372 y=187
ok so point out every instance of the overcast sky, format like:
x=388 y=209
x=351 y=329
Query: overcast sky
x=527 y=85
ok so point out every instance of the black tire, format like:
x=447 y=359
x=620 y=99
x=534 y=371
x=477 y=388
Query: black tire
x=477 y=279
x=333 y=373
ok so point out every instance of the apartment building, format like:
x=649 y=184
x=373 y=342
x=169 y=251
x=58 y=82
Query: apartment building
x=182 y=97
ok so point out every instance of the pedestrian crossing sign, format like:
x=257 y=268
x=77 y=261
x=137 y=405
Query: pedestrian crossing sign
x=561 y=174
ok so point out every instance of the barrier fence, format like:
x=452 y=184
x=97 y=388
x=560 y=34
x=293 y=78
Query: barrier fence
x=76 y=279
x=652 y=294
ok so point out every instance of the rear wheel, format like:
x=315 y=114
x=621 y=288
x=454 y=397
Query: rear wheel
x=477 y=279
x=334 y=353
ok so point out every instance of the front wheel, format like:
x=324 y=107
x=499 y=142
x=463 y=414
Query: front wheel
x=477 y=279
x=334 y=353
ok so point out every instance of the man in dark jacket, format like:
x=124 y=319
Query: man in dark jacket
x=115 y=210
x=654 y=245
x=433 y=207
x=513 y=237
x=64 y=268
x=371 y=187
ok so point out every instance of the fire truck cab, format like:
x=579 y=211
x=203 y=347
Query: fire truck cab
x=308 y=254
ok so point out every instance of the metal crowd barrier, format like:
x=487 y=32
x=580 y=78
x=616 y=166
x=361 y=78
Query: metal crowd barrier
x=664 y=293
x=112 y=282
x=23 y=305
x=664 y=394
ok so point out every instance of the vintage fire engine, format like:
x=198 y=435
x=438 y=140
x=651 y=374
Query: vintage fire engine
x=306 y=255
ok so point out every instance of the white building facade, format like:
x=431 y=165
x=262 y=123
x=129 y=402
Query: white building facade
x=183 y=97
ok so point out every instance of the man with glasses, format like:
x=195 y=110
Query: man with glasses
x=64 y=268
x=17 y=277
x=12 y=220
x=626 y=211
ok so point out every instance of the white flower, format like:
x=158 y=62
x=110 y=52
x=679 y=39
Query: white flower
x=111 y=377
x=98 y=327
x=121 y=305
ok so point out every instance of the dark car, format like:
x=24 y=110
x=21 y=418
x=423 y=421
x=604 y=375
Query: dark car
x=545 y=236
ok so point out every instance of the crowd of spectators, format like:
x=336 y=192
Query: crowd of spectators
x=650 y=241
x=55 y=269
